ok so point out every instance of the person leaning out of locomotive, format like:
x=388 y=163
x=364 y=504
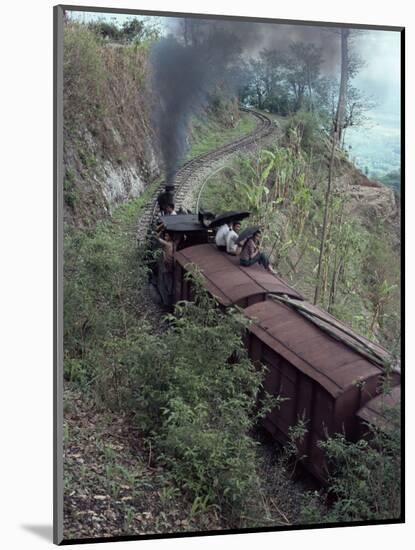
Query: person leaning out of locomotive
x=231 y=237
x=251 y=253
x=221 y=234
x=167 y=243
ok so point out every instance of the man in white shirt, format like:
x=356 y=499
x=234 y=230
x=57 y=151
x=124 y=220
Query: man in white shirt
x=169 y=210
x=231 y=246
x=220 y=238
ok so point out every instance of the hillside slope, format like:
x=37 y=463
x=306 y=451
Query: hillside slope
x=110 y=151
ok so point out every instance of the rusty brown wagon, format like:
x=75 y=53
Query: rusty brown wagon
x=375 y=412
x=324 y=381
x=329 y=375
x=225 y=279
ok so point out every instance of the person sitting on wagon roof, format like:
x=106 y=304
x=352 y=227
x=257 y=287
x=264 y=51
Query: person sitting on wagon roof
x=231 y=246
x=251 y=253
x=220 y=238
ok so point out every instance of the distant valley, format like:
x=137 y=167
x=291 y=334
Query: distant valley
x=376 y=149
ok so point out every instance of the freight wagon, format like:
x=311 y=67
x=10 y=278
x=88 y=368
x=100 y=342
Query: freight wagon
x=329 y=375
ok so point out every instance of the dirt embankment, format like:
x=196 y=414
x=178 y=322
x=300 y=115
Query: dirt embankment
x=110 y=150
x=368 y=200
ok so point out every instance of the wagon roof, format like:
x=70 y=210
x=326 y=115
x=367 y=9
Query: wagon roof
x=373 y=411
x=227 y=280
x=328 y=361
x=182 y=223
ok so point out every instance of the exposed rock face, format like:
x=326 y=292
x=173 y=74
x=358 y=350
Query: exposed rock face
x=374 y=202
x=99 y=178
x=120 y=183
x=369 y=200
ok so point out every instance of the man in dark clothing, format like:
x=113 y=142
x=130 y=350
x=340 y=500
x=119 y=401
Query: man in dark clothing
x=251 y=253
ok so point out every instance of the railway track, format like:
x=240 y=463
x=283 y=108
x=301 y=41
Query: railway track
x=200 y=166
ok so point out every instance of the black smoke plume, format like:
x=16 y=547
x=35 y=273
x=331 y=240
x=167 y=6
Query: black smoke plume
x=201 y=54
x=180 y=83
x=187 y=68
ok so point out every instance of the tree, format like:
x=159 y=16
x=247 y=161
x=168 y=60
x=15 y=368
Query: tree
x=303 y=68
x=335 y=140
x=357 y=106
x=281 y=81
x=109 y=31
x=272 y=72
x=133 y=30
x=257 y=88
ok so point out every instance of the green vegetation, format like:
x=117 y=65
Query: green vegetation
x=365 y=483
x=108 y=465
x=195 y=409
x=107 y=112
x=190 y=416
x=283 y=188
x=95 y=74
x=133 y=30
x=71 y=194
x=208 y=133
x=293 y=82
x=211 y=406
x=304 y=127
x=102 y=267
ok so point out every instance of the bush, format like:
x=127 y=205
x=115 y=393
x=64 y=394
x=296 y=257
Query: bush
x=365 y=481
x=211 y=404
x=195 y=392
x=83 y=74
x=103 y=82
x=303 y=128
x=70 y=193
x=279 y=104
x=133 y=376
x=106 y=30
x=192 y=390
x=104 y=276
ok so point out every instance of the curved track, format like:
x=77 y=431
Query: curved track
x=200 y=166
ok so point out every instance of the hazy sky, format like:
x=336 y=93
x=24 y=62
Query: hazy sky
x=381 y=76
x=380 y=50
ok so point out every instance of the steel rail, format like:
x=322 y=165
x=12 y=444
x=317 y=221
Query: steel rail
x=183 y=179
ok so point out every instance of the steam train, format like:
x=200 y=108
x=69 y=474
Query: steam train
x=329 y=375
